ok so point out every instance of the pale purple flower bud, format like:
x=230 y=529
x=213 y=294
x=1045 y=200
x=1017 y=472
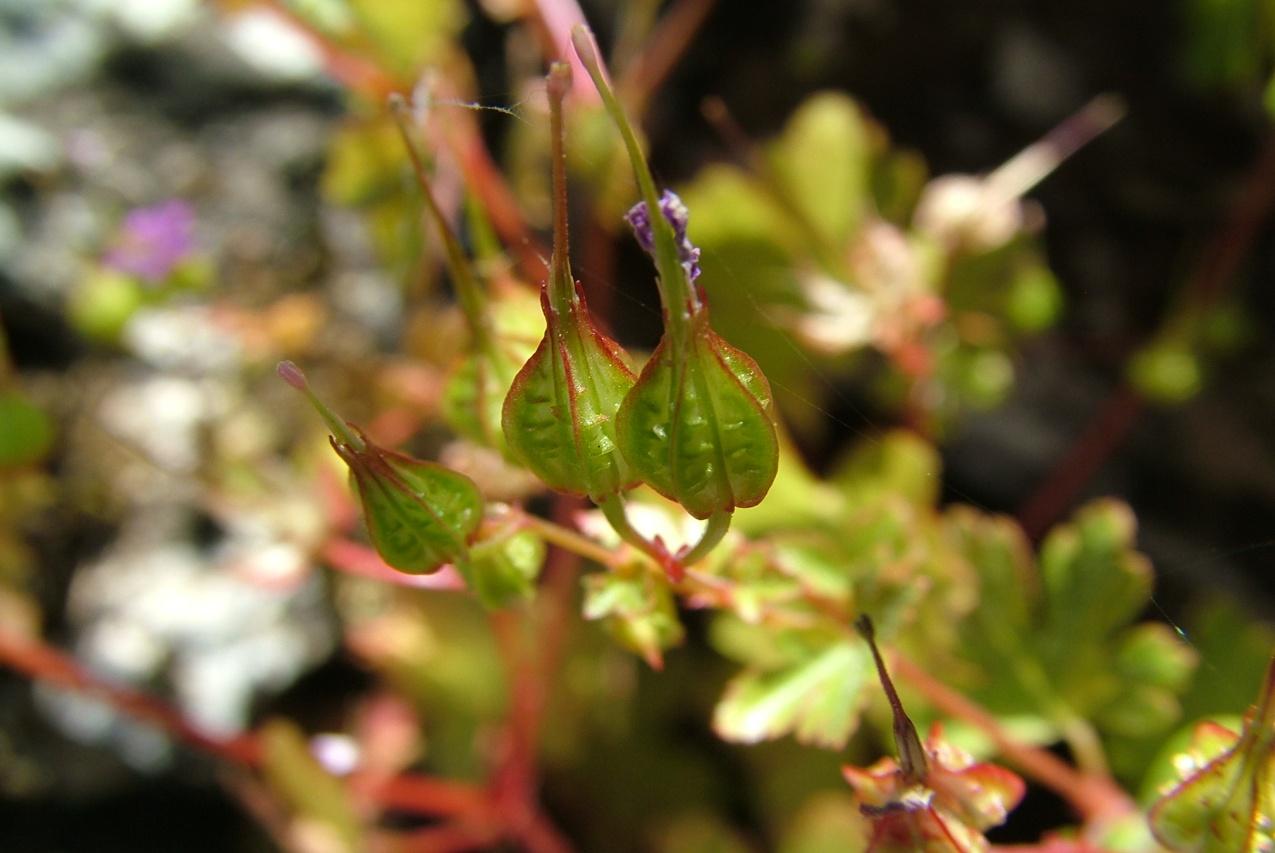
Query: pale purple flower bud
x=678 y=216
x=154 y=240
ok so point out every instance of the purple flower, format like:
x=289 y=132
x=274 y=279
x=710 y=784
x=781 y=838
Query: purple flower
x=154 y=240
x=678 y=216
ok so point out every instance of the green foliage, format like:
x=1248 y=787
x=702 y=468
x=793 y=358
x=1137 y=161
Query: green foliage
x=835 y=263
x=1053 y=639
x=1225 y=800
x=638 y=610
x=832 y=244
x=27 y=432
x=815 y=696
x=1166 y=372
x=314 y=795
x=504 y=566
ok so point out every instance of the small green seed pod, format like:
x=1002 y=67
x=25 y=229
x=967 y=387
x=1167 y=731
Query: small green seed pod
x=419 y=514
x=559 y=416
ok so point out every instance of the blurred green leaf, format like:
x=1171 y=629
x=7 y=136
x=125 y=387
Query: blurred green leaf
x=503 y=568
x=1237 y=648
x=1166 y=372
x=474 y=397
x=408 y=34
x=817 y=700
x=1225 y=802
x=301 y=782
x=102 y=303
x=824 y=159
x=1034 y=299
x=26 y=432
x=897 y=463
x=1055 y=641
x=638 y=611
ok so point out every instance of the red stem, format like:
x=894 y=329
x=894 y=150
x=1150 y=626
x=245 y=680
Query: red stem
x=1108 y=429
x=51 y=666
x=1086 y=456
x=661 y=51
x=532 y=662
x=409 y=792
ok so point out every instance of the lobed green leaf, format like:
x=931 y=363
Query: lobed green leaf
x=817 y=700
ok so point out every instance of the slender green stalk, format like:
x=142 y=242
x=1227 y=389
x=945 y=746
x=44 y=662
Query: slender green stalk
x=561 y=288
x=468 y=293
x=718 y=526
x=612 y=507
x=292 y=374
x=681 y=300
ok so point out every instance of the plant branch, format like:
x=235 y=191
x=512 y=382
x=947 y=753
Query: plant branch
x=1111 y=425
x=661 y=51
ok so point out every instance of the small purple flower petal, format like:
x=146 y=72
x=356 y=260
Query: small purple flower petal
x=154 y=240
x=672 y=208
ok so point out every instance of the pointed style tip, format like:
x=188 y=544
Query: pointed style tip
x=865 y=628
x=582 y=41
x=559 y=80
x=290 y=373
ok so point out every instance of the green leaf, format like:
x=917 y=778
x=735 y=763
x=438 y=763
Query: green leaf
x=504 y=567
x=697 y=425
x=1225 y=802
x=26 y=432
x=474 y=397
x=301 y=782
x=408 y=34
x=824 y=160
x=1094 y=582
x=898 y=463
x=816 y=700
x=1054 y=641
x=638 y=611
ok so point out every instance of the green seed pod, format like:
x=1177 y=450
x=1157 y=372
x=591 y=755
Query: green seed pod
x=559 y=417
x=697 y=425
x=697 y=428
x=419 y=514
